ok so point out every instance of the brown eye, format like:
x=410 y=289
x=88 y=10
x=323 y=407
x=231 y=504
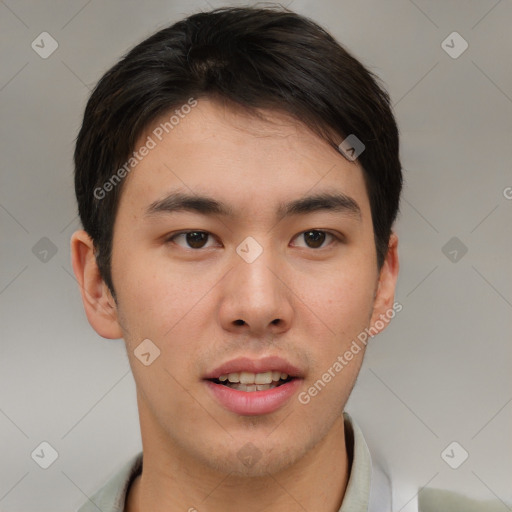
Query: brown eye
x=196 y=239
x=316 y=239
x=192 y=239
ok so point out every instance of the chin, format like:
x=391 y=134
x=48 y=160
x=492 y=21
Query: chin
x=248 y=461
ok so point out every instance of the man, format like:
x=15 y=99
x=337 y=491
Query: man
x=237 y=177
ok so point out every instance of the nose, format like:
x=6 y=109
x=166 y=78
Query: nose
x=255 y=299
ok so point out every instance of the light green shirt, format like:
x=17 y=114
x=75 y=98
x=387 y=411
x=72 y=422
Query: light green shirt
x=368 y=488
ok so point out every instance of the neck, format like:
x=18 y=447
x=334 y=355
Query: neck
x=172 y=481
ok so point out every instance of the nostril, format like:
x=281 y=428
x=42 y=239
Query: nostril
x=276 y=321
x=239 y=322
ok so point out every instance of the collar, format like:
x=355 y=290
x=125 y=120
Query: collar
x=368 y=488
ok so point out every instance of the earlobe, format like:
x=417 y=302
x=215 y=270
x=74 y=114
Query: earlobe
x=385 y=293
x=100 y=307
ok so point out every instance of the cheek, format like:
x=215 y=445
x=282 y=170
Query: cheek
x=345 y=307
x=153 y=295
x=355 y=295
x=344 y=299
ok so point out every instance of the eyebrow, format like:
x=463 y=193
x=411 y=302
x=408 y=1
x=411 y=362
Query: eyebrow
x=179 y=201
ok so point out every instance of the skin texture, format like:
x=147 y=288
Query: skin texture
x=302 y=303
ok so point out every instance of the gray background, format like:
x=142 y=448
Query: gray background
x=439 y=373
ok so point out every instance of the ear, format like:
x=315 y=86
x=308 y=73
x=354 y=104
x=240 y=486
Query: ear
x=385 y=293
x=100 y=307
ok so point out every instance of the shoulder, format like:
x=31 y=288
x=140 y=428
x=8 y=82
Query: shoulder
x=111 y=497
x=441 y=500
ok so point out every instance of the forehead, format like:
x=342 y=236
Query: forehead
x=249 y=161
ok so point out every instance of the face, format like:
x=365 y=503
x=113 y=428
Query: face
x=244 y=245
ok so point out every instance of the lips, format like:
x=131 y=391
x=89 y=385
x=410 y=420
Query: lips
x=225 y=387
x=245 y=364
x=255 y=403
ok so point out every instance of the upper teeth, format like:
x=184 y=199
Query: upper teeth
x=254 y=378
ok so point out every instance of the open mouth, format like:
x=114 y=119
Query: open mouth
x=252 y=394
x=246 y=381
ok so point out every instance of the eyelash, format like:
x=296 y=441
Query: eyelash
x=336 y=238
